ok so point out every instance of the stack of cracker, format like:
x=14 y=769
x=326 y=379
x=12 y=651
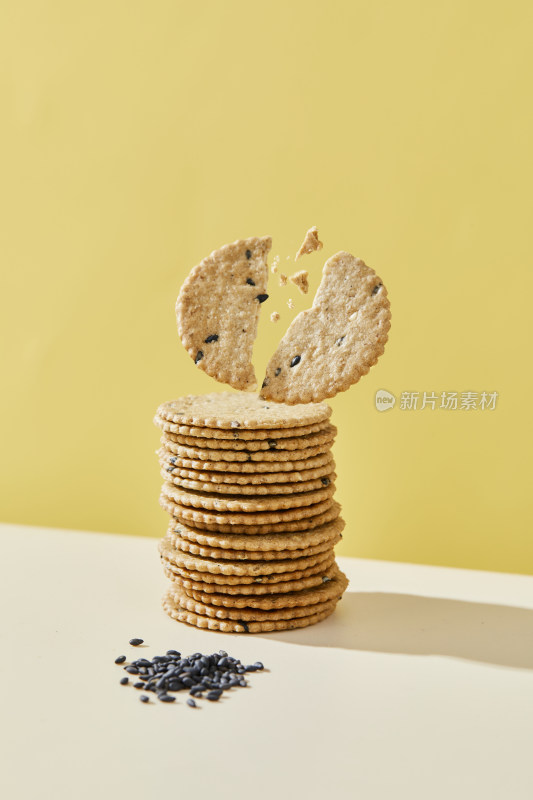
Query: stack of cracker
x=249 y=488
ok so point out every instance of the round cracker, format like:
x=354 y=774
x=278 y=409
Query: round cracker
x=250 y=478
x=238 y=434
x=231 y=626
x=255 y=589
x=229 y=410
x=239 y=503
x=247 y=555
x=325 y=436
x=238 y=580
x=262 y=456
x=253 y=466
x=255 y=489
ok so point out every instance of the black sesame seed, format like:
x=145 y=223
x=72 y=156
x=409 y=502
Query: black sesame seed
x=376 y=289
x=262 y=297
x=325 y=579
x=132 y=670
x=325 y=481
x=235 y=424
x=244 y=625
x=248 y=254
x=144 y=698
x=214 y=694
x=296 y=360
x=173 y=653
x=139 y=685
x=191 y=703
x=265 y=383
x=259 y=665
x=278 y=370
x=124 y=681
x=166 y=698
x=199 y=356
x=272 y=444
x=135 y=642
x=340 y=341
x=120 y=660
x=212 y=338
x=250 y=282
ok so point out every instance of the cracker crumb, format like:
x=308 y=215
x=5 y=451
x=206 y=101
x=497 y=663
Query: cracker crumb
x=310 y=243
x=290 y=302
x=301 y=280
x=282 y=279
x=274 y=316
x=275 y=265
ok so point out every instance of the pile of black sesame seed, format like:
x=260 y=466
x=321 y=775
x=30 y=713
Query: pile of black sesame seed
x=198 y=673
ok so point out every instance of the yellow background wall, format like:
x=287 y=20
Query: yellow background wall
x=137 y=137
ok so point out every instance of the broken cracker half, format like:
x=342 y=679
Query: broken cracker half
x=310 y=243
x=328 y=347
x=217 y=310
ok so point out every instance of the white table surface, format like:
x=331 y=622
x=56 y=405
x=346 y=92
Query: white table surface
x=419 y=686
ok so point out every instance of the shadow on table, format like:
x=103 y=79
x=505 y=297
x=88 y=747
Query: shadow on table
x=416 y=625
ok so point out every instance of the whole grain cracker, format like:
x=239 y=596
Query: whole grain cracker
x=250 y=478
x=231 y=626
x=253 y=466
x=187 y=603
x=240 y=571
x=246 y=555
x=301 y=280
x=237 y=434
x=255 y=589
x=333 y=587
x=234 y=410
x=217 y=310
x=304 y=524
x=326 y=532
x=256 y=489
x=210 y=501
x=310 y=243
x=326 y=436
x=245 y=456
x=328 y=347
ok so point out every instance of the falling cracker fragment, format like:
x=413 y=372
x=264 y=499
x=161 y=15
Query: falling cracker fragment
x=274 y=317
x=217 y=310
x=310 y=243
x=301 y=280
x=282 y=279
x=275 y=265
x=328 y=347
x=290 y=302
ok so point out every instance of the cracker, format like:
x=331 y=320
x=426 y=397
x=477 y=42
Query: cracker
x=214 y=517
x=304 y=524
x=333 y=587
x=256 y=489
x=250 y=505
x=232 y=626
x=328 y=347
x=187 y=603
x=254 y=466
x=326 y=436
x=186 y=546
x=255 y=588
x=310 y=243
x=239 y=410
x=237 y=434
x=267 y=541
x=282 y=279
x=301 y=280
x=250 y=478
x=246 y=456
x=217 y=310
x=223 y=579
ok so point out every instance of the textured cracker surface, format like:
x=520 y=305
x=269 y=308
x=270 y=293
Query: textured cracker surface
x=262 y=456
x=255 y=589
x=250 y=478
x=238 y=434
x=305 y=441
x=337 y=340
x=223 y=554
x=219 y=298
x=236 y=410
x=266 y=572
x=253 y=466
x=301 y=280
x=213 y=502
x=310 y=243
x=232 y=626
x=266 y=541
x=333 y=588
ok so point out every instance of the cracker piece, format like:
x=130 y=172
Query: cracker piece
x=267 y=541
x=282 y=279
x=185 y=602
x=333 y=587
x=232 y=626
x=235 y=410
x=254 y=466
x=304 y=524
x=255 y=588
x=217 y=310
x=326 y=436
x=224 y=583
x=274 y=317
x=310 y=243
x=290 y=302
x=256 y=489
x=171 y=429
x=301 y=280
x=250 y=478
x=240 y=503
x=275 y=265
x=328 y=347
